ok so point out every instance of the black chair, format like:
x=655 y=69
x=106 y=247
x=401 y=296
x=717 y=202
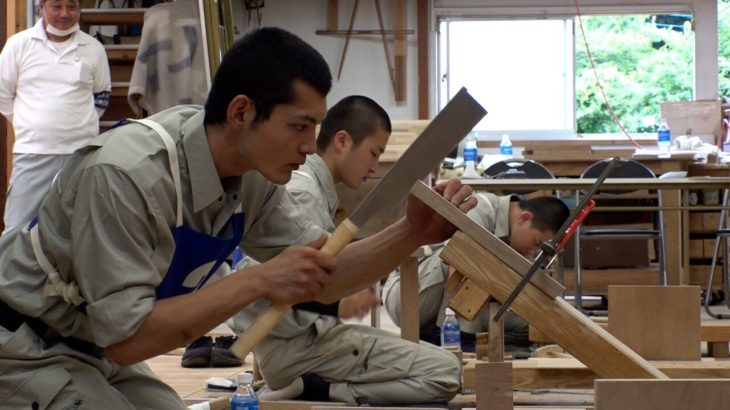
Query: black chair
x=627 y=168
x=721 y=239
x=518 y=168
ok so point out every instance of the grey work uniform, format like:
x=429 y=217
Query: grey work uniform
x=364 y=364
x=106 y=228
x=491 y=212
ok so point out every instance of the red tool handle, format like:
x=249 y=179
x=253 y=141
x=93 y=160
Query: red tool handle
x=576 y=223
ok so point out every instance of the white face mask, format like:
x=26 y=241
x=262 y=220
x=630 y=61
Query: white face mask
x=61 y=33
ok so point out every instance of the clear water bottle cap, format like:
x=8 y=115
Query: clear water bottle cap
x=505 y=139
x=449 y=312
x=245 y=378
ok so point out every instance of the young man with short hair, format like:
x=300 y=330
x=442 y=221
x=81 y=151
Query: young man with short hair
x=523 y=224
x=112 y=271
x=326 y=359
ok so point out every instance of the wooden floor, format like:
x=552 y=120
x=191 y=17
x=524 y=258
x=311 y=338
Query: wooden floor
x=190 y=383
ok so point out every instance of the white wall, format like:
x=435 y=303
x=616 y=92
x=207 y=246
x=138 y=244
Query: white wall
x=365 y=71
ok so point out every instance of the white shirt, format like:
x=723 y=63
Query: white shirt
x=49 y=95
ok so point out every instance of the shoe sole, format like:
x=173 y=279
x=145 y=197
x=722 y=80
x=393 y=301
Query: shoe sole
x=224 y=360
x=194 y=362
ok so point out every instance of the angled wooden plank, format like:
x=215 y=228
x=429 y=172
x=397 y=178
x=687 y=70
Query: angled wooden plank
x=576 y=333
x=488 y=241
x=672 y=394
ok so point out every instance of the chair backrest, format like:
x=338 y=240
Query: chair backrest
x=626 y=168
x=518 y=168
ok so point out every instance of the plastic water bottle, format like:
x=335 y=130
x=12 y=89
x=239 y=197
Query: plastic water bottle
x=244 y=397
x=664 y=139
x=470 y=156
x=450 y=331
x=505 y=147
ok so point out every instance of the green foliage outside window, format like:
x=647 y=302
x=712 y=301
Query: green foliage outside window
x=639 y=65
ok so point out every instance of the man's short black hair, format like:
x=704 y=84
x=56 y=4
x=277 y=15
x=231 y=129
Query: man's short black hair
x=264 y=66
x=549 y=213
x=360 y=116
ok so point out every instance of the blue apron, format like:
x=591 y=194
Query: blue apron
x=196 y=258
x=197 y=255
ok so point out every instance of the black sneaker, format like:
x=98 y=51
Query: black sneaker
x=222 y=355
x=197 y=354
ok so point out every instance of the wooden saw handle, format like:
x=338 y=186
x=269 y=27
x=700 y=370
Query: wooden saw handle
x=263 y=324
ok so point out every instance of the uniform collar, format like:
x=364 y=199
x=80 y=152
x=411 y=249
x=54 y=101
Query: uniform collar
x=501 y=229
x=204 y=180
x=324 y=178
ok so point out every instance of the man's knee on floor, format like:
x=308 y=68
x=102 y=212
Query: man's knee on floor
x=445 y=379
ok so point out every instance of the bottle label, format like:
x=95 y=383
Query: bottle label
x=450 y=335
x=470 y=154
x=505 y=150
x=663 y=136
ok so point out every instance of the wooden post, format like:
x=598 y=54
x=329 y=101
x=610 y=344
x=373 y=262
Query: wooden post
x=494 y=386
x=409 y=321
x=495 y=347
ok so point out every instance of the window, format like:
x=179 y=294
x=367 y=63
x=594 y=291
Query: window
x=521 y=71
x=535 y=79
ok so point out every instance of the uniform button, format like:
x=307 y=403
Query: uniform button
x=355 y=352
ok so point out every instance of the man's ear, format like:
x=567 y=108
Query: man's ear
x=341 y=141
x=240 y=111
x=525 y=217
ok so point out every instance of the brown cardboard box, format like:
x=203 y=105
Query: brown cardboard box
x=703 y=117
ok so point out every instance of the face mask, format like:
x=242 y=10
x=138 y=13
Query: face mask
x=61 y=33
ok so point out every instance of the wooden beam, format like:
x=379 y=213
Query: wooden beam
x=409 y=319
x=569 y=373
x=495 y=344
x=333 y=14
x=485 y=238
x=400 y=67
x=298 y=405
x=422 y=29
x=662 y=394
x=120 y=16
x=576 y=333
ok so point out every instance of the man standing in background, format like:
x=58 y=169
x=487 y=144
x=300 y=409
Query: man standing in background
x=54 y=87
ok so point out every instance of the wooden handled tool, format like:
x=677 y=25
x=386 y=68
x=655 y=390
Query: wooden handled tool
x=449 y=127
